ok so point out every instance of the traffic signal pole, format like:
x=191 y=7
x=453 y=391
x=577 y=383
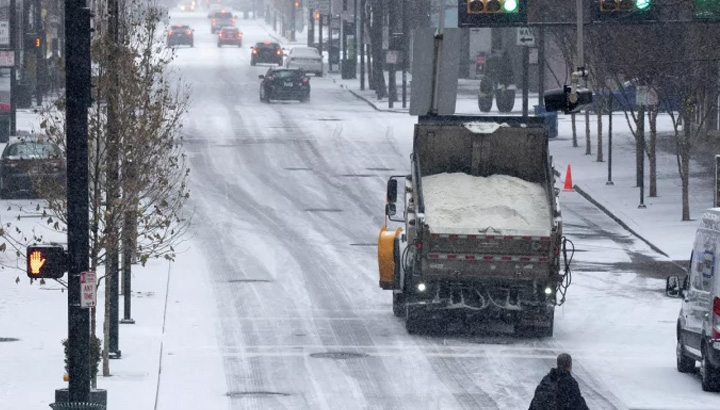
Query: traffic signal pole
x=77 y=69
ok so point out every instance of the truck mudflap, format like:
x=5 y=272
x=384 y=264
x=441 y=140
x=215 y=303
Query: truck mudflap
x=388 y=257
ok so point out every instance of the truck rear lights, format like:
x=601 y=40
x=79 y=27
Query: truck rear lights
x=279 y=52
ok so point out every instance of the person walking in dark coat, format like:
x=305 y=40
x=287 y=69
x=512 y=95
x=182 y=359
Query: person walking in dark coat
x=558 y=390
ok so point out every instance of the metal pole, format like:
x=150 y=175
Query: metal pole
x=641 y=133
x=292 y=22
x=526 y=80
x=13 y=70
x=361 y=42
x=112 y=264
x=320 y=36
x=311 y=29
x=77 y=69
x=40 y=53
x=406 y=52
x=541 y=66
x=436 y=69
x=610 y=117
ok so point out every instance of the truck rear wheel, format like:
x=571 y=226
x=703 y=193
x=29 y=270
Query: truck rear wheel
x=398 y=304
x=710 y=374
x=413 y=319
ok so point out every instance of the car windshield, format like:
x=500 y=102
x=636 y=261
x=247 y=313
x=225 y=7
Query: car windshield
x=223 y=15
x=31 y=150
x=180 y=27
x=229 y=30
x=287 y=74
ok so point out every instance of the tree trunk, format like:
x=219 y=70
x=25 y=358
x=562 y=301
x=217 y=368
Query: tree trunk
x=639 y=148
x=599 y=157
x=685 y=177
x=377 y=50
x=574 y=130
x=588 y=143
x=652 y=150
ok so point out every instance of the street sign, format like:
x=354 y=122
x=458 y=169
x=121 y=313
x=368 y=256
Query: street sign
x=4 y=33
x=7 y=58
x=88 y=289
x=525 y=37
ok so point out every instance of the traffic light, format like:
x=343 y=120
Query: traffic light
x=624 y=10
x=559 y=100
x=488 y=13
x=706 y=10
x=46 y=261
x=297 y=3
x=317 y=15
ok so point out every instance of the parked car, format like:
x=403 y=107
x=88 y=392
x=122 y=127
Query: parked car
x=231 y=36
x=29 y=163
x=284 y=84
x=186 y=6
x=180 y=34
x=266 y=52
x=221 y=19
x=306 y=58
x=698 y=323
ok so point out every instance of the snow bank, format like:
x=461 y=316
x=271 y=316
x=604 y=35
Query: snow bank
x=461 y=201
x=482 y=127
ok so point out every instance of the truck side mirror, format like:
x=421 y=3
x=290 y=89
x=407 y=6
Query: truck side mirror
x=392 y=191
x=672 y=287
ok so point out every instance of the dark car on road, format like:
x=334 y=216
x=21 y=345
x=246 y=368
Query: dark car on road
x=180 y=34
x=30 y=165
x=267 y=52
x=284 y=84
x=229 y=36
x=221 y=19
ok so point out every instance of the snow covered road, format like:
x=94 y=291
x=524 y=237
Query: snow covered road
x=289 y=199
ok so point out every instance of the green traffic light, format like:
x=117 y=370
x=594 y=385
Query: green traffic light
x=511 y=6
x=642 y=4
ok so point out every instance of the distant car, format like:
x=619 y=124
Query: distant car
x=284 y=84
x=214 y=8
x=230 y=36
x=306 y=58
x=267 y=52
x=180 y=34
x=29 y=163
x=186 y=6
x=221 y=19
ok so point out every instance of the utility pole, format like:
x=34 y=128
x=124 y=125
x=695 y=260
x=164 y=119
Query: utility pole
x=293 y=6
x=40 y=53
x=13 y=71
x=406 y=51
x=361 y=42
x=77 y=68
x=112 y=263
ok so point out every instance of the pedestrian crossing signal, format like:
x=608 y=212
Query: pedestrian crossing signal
x=46 y=261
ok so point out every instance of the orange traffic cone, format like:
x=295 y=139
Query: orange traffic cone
x=568 y=180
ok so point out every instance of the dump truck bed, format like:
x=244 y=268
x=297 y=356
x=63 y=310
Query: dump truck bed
x=486 y=200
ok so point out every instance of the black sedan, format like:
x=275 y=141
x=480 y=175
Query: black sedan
x=31 y=167
x=180 y=34
x=284 y=84
x=266 y=52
